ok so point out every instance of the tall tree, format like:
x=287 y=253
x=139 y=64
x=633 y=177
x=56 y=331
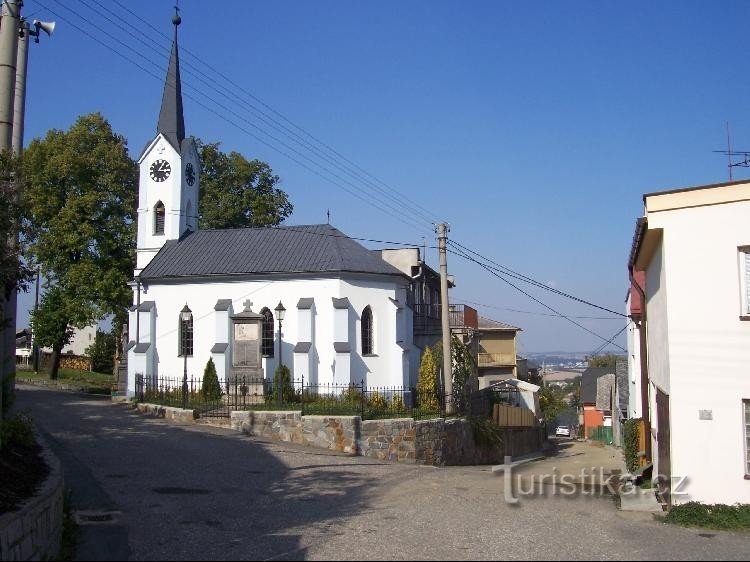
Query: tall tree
x=237 y=192
x=80 y=208
x=608 y=360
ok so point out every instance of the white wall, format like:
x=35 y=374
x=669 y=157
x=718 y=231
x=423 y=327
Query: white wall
x=699 y=349
x=635 y=405
x=384 y=368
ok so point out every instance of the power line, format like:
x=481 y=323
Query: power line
x=397 y=204
x=605 y=344
x=537 y=313
x=560 y=314
x=401 y=197
x=379 y=204
x=521 y=277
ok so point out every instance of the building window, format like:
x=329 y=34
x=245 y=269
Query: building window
x=746 y=408
x=267 y=343
x=367 y=342
x=745 y=280
x=159 y=218
x=186 y=337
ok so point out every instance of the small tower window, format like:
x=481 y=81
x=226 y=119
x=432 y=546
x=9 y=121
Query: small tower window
x=367 y=340
x=267 y=334
x=159 y=218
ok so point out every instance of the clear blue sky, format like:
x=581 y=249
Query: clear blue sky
x=532 y=128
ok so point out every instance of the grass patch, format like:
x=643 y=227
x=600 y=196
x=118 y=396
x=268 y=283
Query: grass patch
x=69 y=532
x=718 y=516
x=72 y=376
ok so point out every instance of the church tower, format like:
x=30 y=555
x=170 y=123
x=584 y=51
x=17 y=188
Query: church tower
x=169 y=173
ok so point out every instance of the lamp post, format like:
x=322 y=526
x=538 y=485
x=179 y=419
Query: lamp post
x=280 y=311
x=186 y=315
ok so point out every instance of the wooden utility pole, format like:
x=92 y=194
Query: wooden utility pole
x=442 y=230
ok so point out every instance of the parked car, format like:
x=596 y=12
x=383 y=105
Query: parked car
x=562 y=431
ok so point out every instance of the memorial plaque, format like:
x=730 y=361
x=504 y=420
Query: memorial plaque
x=246 y=346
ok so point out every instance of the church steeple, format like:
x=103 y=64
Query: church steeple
x=171 y=121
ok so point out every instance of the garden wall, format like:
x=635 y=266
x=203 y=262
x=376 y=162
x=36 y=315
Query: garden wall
x=34 y=531
x=436 y=442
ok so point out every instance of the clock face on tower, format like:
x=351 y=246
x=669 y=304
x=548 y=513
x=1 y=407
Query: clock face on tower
x=189 y=174
x=160 y=170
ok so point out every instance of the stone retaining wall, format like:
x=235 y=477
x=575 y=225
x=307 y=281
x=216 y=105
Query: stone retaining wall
x=436 y=442
x=168 y=413
x=34 y=531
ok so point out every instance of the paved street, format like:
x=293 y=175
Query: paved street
x=196 y=492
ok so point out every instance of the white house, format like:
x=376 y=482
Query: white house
x=347 y=317
x=694 y=247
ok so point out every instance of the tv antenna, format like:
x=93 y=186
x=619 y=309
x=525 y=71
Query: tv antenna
x=735 y=158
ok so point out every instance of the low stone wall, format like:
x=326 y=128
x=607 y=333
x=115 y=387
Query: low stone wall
x=34 y=531
x=336 y=433
x=436 y=442
x=168 y=413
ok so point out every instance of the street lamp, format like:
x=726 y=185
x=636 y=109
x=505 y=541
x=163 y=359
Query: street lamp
x=280 y=311
x=186 y=316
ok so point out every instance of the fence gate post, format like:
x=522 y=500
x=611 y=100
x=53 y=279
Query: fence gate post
x=362 y=393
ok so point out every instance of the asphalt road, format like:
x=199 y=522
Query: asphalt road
x=196 y=492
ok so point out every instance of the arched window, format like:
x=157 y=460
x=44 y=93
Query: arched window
x=367 y=339
x=267 y=338
x=159 y=218
x=186 y=336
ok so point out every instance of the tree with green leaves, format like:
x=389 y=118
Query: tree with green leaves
x=607 y=360
x=15 y=272
x=211 y=389
x=102 y=352
x=427 y=383
x=237 y=192
x=551 y=402
x=80 y=205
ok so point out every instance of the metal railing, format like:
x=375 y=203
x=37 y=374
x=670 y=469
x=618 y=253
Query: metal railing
x=244 y=393
x=495 y=359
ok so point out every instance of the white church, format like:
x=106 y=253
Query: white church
x=346 y=316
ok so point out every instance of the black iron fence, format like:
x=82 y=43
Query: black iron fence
x=242 y=393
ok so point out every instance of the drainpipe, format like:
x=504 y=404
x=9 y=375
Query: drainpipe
x=643 y=342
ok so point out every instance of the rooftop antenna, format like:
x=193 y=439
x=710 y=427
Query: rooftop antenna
x=328 y=215
x=730 y=154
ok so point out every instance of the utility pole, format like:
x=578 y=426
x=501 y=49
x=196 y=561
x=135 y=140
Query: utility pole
x=442 y=230
x=10 y=23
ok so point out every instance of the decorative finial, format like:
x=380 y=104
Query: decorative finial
x=176 y=19
x=248 y=305
x=328 y=214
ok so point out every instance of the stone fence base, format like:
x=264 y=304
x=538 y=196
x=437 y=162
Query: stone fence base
x=168 y=413
x=437 y=442
x=34 y=531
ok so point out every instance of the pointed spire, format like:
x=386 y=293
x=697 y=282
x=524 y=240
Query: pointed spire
x=171 y=121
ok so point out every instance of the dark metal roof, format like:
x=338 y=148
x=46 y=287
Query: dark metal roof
x=302 y=347
x=342 y=347
x=588 y=382
x=171 y=120
x=142 y=347
x=219 y=347
x=305 y=303
x=146 y=306
x=300 y=249
x=223 y=304
x=340 y=303
x=489 y=324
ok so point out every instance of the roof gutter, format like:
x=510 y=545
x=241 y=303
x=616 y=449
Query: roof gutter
x=640 y=231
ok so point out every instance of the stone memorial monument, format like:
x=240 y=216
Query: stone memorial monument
x=246 y=375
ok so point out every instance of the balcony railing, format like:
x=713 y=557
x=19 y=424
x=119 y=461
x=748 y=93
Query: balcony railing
x=496 y=360
x=427 y=318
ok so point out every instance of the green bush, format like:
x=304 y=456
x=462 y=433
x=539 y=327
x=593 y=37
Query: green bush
x=211 y=389
x=377 y=401
x=17 y=430
x=486 y=432
x=427 y=383
x=718 y=516
x=631 y=444
x=102 y=352
x=283 y=377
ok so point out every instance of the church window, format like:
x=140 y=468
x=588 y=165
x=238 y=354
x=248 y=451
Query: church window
x=367 y=339
x=267 y=343
x=159 y=218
